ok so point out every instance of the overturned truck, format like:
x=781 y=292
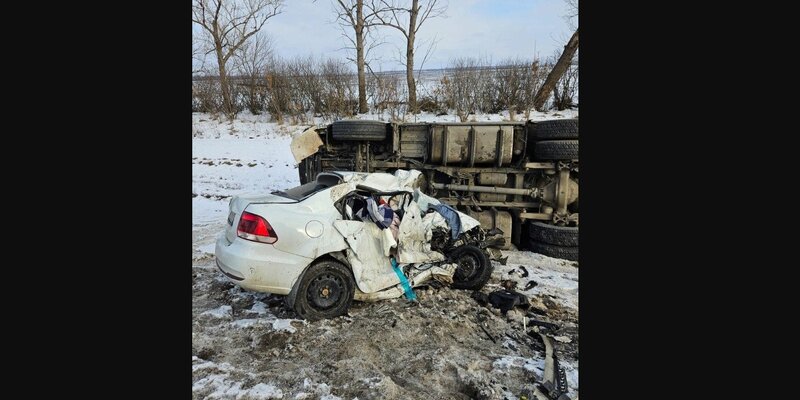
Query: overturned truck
x=518 y=177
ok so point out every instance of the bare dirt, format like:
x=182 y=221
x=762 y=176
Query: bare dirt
x=248 y=345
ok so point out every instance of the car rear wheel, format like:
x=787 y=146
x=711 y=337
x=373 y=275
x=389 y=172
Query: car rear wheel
x=325 y=291
x=474 y=268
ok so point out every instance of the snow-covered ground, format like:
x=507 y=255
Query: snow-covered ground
x=248 y=346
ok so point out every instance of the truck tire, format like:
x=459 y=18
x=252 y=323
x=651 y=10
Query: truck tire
x=556 y=129
x=359 y=130
x=553 y=234
x=551 y=250
x=557 y=150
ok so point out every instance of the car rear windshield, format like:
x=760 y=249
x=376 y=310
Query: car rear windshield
x=301 y=192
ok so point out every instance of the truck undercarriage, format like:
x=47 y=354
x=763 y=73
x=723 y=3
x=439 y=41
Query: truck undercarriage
x=519 y=177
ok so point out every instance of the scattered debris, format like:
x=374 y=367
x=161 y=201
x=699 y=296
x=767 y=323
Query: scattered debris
x=562 y=339
x=507 y=299
x=543 y=324
x=508 y=284
x=530 y=285
x=480 y=297
x=487 y=333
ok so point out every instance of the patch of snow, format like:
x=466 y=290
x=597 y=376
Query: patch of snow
x=220 y=312
x=205 y=211
x=247 y=322
x=221 y=386
x=322 y=389
x=258 y=308
x=554 y=277
x=207 y=248
x=262 y=391
x=529 y=364
x=284 y=325
x=572 y=376
x=224 y=367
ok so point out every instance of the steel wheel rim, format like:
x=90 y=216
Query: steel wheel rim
x=325 y=291
x=467 y=267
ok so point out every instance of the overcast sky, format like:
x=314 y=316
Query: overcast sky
x=495 y=29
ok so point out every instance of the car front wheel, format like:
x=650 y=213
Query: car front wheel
x=474 y=268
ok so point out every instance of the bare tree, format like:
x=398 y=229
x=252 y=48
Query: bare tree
x=350 y=15
x=393 y=13
x=555 y=74
x=198 y=56
x=567 y=87
x=230 y=23
x=280 y=99
x=250 y=63
x=572 y=13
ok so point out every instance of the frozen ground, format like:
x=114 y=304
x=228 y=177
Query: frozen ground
x=246 y=345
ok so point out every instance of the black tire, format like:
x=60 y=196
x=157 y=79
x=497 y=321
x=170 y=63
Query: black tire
x=325 y=291
x=359 y=130
x=551 y=250
x=474 y=268
x=556 y=129
x=557 y=150
x=553 y=234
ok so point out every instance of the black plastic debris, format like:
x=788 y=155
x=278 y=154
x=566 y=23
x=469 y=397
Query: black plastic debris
x=530 y=285
x=505 y=300
x=481 y=298
x=543 y=324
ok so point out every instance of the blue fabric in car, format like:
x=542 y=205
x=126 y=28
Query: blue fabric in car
x=451 y=216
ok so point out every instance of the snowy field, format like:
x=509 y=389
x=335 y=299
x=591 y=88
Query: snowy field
x=246 y=345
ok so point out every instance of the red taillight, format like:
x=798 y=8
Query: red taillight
x=255 y=228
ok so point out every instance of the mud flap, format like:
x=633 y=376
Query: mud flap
x=305 y=144
x=554 y=385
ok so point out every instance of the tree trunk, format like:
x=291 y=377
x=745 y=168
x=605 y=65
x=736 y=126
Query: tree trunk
x=558 y=71
x=227 y=106
x=362 y=80
x=412 y=85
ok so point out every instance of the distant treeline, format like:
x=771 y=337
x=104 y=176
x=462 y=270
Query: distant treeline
x=304 y=86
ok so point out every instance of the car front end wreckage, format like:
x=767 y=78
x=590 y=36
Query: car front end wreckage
x=380 y=238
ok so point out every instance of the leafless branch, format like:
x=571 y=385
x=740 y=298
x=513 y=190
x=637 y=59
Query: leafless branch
x=230 y=23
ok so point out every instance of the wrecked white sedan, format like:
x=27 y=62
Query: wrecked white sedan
x=351 y=236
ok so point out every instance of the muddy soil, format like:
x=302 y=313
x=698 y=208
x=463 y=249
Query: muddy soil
x=248 y=345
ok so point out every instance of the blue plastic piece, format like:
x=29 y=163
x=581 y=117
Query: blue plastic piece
x=409 y=292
